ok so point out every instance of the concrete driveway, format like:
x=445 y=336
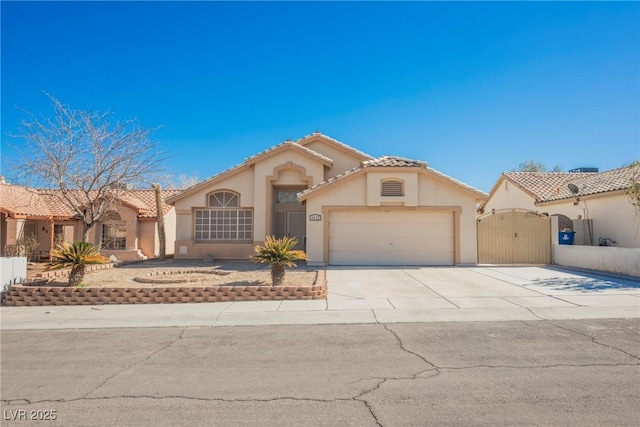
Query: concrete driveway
x=425 y=293
x=377 y=295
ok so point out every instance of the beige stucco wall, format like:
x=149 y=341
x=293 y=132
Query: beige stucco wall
x=149 y=240
x=289 y=168
x=169 y=232
x=435 y=191
x=183 y=247
x=610 y=259
x=254 y=184
x=127 y=216
x=508 y=196
x=350 y=193
x=421 y=189
x=410 y=183
x=613 y=217
x=3 y=232
x=14 y=228
x=342 y=161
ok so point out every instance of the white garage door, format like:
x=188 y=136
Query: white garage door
x=365 y=237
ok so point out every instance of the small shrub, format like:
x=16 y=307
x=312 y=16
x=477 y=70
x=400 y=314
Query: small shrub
x=278 y=253
x=75 y=255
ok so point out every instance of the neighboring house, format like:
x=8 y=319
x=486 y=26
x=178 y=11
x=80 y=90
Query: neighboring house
x=599 y=197
x=128 y=234
x=343 y=206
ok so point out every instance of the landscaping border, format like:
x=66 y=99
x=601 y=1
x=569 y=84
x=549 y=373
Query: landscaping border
x=19 y=295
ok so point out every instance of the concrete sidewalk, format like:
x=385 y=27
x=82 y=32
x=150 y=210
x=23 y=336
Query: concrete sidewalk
x=377 y=295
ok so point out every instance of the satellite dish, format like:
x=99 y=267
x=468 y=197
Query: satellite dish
x=573 y=188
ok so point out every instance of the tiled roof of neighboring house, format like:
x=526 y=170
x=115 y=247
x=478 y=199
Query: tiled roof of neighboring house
x=40 y=203
x=549 y=186
x=18 y=200
x=145 y=201
x=335 y=141
x=389 y=161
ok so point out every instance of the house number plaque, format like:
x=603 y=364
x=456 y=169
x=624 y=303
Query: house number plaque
x=315 y=217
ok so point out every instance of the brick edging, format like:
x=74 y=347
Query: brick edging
x=19 y=295
x=63 y=272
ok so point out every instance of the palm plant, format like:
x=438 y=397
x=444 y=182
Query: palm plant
x=278 y=253
x=76 y=255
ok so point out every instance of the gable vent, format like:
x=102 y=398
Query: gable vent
x=392 y=188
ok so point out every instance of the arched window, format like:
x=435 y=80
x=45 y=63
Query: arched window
x=224 y=199
x=392 y=187
x=223 y=220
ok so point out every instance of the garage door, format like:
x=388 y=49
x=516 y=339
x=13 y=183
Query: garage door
x=365 y=237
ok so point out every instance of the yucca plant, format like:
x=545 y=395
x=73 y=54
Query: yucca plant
x=76 y=255
x=278 y=253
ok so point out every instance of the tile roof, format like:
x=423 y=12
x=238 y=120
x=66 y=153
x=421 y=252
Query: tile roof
x=250 y=160
x=41 y=203
x=145 y=201
x=291 y=144
x=394 y=162
x=18 y=200
x=480 y=193
x=335 y=141
x=548 y=186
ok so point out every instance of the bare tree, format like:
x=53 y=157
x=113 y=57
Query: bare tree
x=86 y=159
x=180 y=181
x=633 y=191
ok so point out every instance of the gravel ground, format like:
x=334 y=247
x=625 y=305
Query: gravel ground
x=172 y=273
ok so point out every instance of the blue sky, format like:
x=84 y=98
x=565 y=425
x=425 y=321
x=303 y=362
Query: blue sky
x=471 y=88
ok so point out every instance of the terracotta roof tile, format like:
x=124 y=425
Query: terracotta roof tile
x=548 y=186
x=394 y=161
x=250 y=160
x=290 y=144
x=19 y=200
x=335 y=141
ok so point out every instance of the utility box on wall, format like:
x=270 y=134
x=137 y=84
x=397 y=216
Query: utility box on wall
x=584 y=232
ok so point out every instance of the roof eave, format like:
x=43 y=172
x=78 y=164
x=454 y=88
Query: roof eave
x=341 y=146
x=171 y=200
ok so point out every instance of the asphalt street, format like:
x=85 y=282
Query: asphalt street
x=540 y=372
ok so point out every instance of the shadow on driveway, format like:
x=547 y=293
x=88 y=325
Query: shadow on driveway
x=584 y=281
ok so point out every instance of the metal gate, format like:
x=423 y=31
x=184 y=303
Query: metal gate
x=514 y=236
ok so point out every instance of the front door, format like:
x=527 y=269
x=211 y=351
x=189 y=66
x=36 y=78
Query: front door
x=290 y=216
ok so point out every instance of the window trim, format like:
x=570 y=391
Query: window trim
x=117 y=227
x=228 y=223
x=224 y=202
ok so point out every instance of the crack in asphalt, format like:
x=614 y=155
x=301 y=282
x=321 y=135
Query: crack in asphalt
x=555 y=365
x=432 y=368
x=406 y=350
x=173 y=341
x=594 y=340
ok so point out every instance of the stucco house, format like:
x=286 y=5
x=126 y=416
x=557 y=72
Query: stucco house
x=343 y=206
x=595 y=202
x=129 y=233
